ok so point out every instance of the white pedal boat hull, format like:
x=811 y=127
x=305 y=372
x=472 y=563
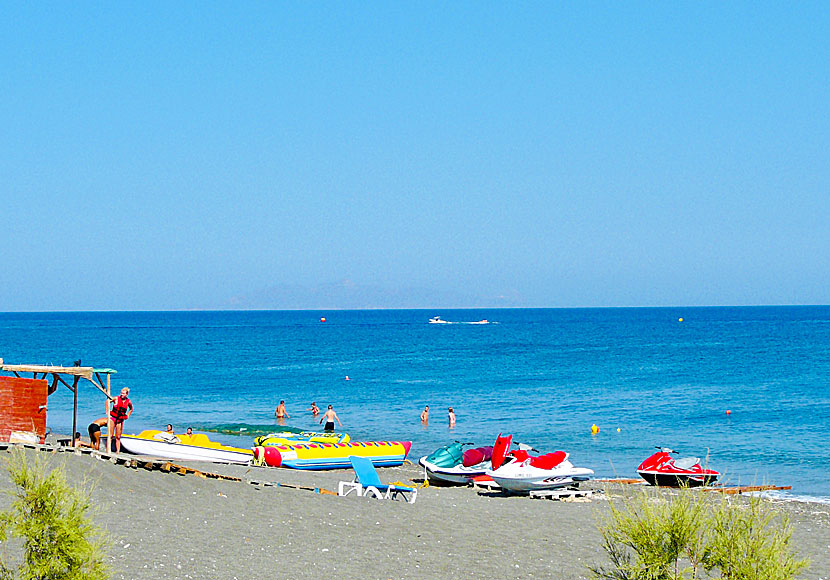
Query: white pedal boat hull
x=180 y=449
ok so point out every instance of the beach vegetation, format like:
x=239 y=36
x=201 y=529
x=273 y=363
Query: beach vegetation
x=50 y=520
x=651 y=535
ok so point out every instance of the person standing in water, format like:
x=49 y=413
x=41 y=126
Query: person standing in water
x=280 y=412
x=329 y=417
x=425 y=415
x=122 y=408
x=315 y=410
x=452 y=417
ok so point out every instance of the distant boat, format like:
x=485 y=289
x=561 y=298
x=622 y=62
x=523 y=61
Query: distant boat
x=437 y=320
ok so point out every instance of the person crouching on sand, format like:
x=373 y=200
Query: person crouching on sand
x=122 y=408
x=79 y=443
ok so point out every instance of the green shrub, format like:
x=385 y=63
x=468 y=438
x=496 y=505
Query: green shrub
x=50 y=516
x=691 y=535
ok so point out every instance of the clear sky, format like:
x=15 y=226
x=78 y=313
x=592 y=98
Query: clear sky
x=167 y=155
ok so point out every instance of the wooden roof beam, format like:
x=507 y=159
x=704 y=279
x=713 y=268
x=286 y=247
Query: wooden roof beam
x=85 y=372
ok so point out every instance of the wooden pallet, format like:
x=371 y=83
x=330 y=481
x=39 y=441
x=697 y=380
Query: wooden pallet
x=486 y=485
x=745 y=488
x=562 y=494
x=170 y=467
x=156 y=464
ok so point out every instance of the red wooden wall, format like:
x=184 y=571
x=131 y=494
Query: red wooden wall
x=22 y=406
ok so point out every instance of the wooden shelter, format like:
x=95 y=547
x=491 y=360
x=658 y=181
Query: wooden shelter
x=22 y=396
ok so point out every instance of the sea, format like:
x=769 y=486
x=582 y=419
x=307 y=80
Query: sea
x=743 y=388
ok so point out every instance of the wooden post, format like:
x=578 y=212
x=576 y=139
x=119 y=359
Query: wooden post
x=74 y=409
x=107 y=414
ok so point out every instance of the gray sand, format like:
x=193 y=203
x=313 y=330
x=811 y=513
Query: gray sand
x=166 y=525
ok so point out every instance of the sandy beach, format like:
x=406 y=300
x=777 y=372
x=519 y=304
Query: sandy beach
x=167 y=525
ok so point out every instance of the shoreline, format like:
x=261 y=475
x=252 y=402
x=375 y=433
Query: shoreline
x=166 y=525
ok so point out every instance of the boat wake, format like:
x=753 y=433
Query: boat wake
x=439 y=320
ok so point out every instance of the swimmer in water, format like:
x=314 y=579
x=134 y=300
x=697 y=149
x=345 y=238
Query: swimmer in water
x=330 y=416
x=280 y=411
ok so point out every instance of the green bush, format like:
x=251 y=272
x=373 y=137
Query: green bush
x=690 y=535
x=50 y=516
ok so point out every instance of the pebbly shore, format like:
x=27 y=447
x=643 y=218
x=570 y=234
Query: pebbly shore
x=280 y=523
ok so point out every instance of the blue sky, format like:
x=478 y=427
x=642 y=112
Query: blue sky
x=324 y=155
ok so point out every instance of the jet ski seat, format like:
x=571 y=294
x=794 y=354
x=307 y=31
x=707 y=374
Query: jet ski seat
x=686 y=462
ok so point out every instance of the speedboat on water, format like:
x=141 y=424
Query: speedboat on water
x=452 y=465
x=437 y=320
x=518 y=472
x=195 y=447
x=664 y=470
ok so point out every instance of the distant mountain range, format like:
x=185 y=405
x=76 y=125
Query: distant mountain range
x=347 y=295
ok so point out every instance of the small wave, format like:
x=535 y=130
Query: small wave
x=245 y=429
x=790 y=497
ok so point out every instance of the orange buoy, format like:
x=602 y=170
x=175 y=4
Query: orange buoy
x=594 y=429
x=322 y=319
x=728 y=412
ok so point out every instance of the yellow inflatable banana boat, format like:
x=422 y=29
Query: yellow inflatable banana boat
x=319 y=456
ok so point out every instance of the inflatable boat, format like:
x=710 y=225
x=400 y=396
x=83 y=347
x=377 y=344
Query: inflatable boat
x=195 y=447
x=319 y=456
x=298 y=436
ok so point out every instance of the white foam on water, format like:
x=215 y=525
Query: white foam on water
x=784 y=495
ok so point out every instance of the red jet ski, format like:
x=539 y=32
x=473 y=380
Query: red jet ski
x=663 y=470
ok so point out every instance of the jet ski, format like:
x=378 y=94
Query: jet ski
x=664 y=470
x=518 y=472
x=452 y=465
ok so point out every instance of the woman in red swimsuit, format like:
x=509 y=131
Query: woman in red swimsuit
x=122 y=408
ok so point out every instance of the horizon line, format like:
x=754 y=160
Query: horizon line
x=415 y=308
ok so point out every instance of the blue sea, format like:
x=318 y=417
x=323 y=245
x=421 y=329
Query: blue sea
x=642 y=375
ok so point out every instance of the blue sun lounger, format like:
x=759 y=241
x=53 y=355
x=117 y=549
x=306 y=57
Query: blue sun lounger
x=367 y=483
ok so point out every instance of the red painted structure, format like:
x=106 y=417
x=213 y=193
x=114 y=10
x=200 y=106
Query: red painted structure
x=23 y=406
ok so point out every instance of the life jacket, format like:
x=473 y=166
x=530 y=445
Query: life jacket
x=119 y=408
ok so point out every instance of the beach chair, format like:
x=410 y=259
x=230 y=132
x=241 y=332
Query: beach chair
x=367 y=483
